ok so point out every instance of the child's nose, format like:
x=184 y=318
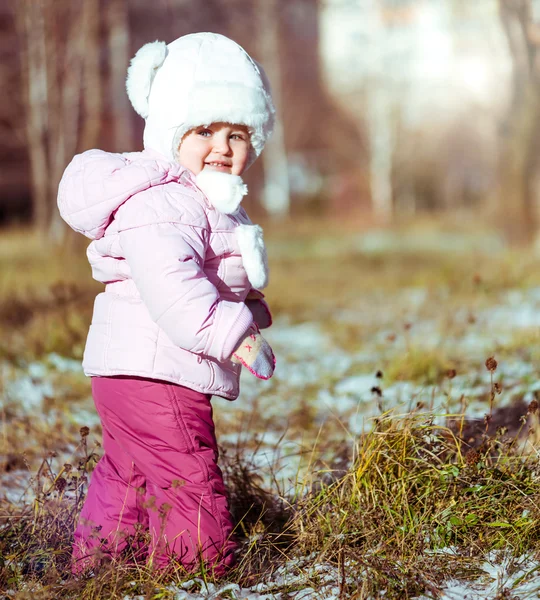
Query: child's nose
x=221 y=144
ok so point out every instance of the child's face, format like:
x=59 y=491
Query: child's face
x=218 y=147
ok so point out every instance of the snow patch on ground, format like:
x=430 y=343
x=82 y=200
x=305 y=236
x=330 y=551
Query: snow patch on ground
x=28 y=391
x=502 y=576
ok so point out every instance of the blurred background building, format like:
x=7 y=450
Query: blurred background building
x=388 y=107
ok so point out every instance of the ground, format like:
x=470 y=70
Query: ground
x=365 y=468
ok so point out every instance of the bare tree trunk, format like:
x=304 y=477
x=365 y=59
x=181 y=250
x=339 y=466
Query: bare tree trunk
x=381 y=141
x=517 y=170
x=53 y=82
x=92 y=88
x=379 y=120
x=64 y=136
x=518 y=160
x=276 y=194
x=116 y=16
x=31 y=25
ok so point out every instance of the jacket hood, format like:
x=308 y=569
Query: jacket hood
x=96 y=183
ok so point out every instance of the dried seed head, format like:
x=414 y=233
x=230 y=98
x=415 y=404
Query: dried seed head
x=451 y=373
x=60 y=484
x=472 y=457
x=407 y=326
x=491 y=364
x=379 y=374
x=471 y=319
x=377 y=391
x=68 y=467
x=477 y=280
x=391 y=337
x=533 y=407
x=497 y=387
x=84 y=431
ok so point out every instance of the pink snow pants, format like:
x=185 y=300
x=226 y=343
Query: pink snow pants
x=159 y=472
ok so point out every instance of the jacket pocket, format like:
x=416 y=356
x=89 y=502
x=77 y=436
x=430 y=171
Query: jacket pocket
x=212 y=374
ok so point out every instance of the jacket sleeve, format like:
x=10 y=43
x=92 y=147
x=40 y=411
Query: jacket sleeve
x=166 y=262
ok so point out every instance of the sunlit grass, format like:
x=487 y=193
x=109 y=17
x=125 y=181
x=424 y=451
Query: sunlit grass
x=46 y=292
x=427 y=367
x=413 y=490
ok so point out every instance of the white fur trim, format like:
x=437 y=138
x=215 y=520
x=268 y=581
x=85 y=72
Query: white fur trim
x=254 y=257
x=141 y=73
x=237 y=104
x=223 y=191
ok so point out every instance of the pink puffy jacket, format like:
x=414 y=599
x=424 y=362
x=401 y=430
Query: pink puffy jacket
x=173 y=307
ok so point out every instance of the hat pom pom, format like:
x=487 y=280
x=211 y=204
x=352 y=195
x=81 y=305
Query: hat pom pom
x=223 y=190
x=141 y=73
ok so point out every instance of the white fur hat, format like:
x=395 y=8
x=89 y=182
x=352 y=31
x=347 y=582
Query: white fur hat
x=196 y=80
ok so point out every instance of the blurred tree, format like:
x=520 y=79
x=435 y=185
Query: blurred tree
x=276 y=196
x=74 y=55
x=368 y=66
x=119 y=55
x=519 y=151
x=31 y=25
x=14 y=189
x=92 y=87
x=58 y=40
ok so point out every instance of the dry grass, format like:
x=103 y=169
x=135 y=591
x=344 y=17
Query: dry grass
x=46 y=293
x=413 y=489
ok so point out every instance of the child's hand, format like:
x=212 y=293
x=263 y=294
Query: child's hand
x=255 y=353
x=259 y=309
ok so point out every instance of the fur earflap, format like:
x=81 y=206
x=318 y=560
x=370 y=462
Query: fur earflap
x=141 y=73
x=223 y=191
x=254 y=257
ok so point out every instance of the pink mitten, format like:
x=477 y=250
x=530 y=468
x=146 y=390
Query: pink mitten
x=255 y=353
x=259 y=309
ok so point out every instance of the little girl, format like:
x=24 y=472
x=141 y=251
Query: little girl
x=181 y=311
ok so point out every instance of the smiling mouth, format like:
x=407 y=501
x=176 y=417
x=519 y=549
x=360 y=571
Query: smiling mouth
x=218 y=164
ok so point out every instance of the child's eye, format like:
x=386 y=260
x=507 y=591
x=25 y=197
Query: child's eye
x=205 y=132
x=238 y=136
